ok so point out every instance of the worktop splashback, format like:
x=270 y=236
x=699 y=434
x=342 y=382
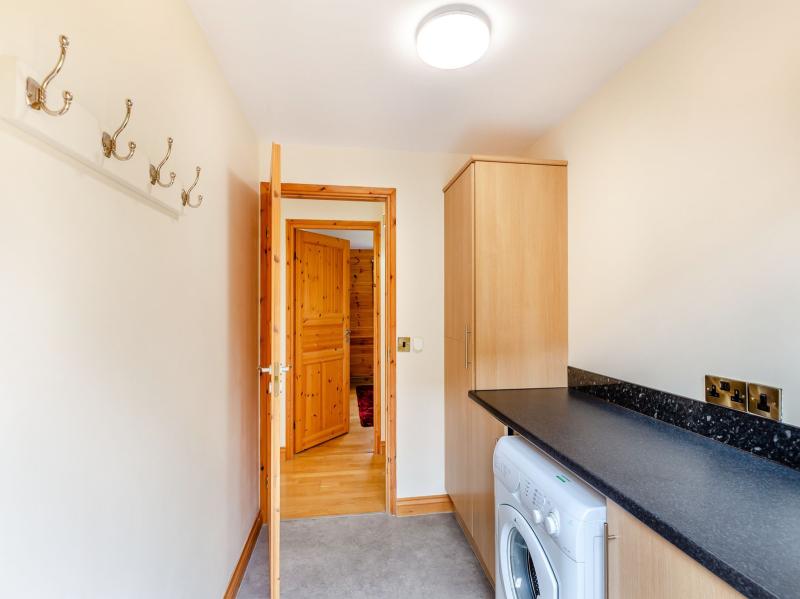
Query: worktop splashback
x=772 y=440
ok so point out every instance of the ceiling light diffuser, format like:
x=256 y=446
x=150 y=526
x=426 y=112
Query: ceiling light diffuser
x=453 y=37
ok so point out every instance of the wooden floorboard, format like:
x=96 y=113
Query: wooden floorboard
x=341 y=476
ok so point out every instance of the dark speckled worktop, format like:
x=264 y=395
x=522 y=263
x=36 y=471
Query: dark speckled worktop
x=735 y=513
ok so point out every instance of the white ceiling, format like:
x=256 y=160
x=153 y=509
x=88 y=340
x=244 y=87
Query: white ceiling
x=359 y=240
x=345 y=72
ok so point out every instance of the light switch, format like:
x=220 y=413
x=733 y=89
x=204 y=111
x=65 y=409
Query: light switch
x=403 y=344
x=417 y=344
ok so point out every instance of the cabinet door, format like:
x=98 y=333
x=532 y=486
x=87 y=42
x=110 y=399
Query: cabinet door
x=458 y=309
x=521 y=275
x=641 y=563
x=485 y=430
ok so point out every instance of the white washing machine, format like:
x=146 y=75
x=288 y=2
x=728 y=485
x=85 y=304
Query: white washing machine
x=550 y=528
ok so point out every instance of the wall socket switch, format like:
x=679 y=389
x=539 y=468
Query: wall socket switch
x=403 y=344
x=764 y=401
x=726 y=392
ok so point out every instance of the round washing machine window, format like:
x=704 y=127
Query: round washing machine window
x=525 y=570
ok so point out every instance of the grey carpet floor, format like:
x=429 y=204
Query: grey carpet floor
x=371 y=556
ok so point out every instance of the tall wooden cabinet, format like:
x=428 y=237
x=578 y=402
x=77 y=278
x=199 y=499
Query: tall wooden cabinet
x=505 y=314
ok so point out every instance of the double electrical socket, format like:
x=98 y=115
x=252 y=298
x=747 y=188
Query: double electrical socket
x=746 y=397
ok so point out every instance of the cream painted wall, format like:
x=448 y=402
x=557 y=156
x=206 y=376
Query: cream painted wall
x=418 y=178
x=684 y=207
x=128 y=389
x=328 y=210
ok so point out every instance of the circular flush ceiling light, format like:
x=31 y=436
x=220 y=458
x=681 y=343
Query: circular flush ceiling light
x=453 y=37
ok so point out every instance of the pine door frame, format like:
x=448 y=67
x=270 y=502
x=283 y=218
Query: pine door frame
x=388 y=197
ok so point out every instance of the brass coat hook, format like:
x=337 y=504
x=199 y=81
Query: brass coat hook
x=155 y=171
x=37 y=93
x=110 y=141
x=186 y=193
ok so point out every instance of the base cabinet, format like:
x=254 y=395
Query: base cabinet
x=641 y=563
x=485 y=431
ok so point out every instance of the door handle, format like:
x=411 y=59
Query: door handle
x=268 y=369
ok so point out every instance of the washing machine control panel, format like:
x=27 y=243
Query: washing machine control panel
x=533 y=498
x=541 y=510
x=544 y=514
x=507 y=474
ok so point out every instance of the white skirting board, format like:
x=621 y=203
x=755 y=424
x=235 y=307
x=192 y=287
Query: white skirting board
x=76 y=136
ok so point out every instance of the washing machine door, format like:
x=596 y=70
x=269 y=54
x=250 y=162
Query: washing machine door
x=525 y=571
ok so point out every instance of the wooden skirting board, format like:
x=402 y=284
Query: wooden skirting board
x=428 y=504
x=241 y=565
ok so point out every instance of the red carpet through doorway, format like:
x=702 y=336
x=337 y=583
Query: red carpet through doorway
x=365 y=404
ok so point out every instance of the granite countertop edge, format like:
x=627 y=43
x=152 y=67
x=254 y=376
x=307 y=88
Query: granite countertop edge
x=722 y=569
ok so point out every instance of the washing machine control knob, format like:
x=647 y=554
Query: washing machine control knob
x=551 y=524
x=537 y=516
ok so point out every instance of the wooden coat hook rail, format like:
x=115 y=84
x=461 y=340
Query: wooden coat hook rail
x=22 y=95
x=37 y=92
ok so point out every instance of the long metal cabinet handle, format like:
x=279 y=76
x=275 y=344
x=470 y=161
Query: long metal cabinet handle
x=606 y=559
x=467 y=334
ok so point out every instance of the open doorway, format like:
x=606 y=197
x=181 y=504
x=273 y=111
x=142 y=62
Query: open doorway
x=273 y=367
x=318 y=198
x=333 y=454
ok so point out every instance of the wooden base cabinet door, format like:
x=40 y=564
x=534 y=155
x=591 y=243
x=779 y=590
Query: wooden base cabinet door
x=643 y=564
x=456 y=405
x=484 y=432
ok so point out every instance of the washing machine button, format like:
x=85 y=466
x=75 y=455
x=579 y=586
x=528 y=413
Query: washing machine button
x=537 y=516
x=551 y=524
